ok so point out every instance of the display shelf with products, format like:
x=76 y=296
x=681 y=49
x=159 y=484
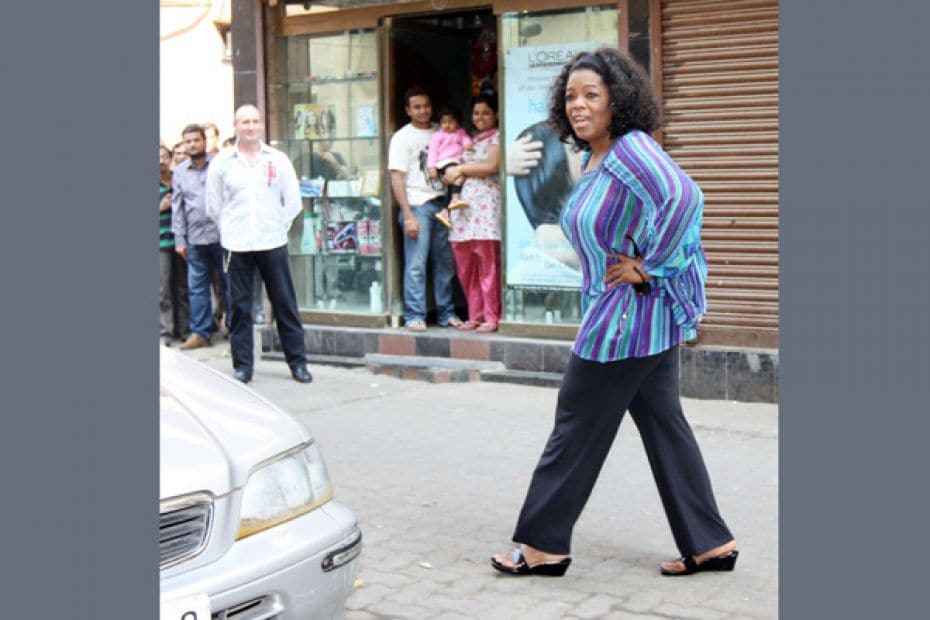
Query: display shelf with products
x=349 y=225
x=335 y=249
x=339 y=282
x=334 y=139
x=326 y=119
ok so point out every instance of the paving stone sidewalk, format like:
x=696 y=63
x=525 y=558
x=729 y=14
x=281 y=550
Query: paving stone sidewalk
x=437 y=474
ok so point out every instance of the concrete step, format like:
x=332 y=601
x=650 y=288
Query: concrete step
x=523 y=377
x=431 y=369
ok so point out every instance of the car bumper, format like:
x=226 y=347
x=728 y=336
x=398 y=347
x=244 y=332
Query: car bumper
x=280 y=572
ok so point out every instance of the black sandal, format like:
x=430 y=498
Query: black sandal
x=720 y=563
x=520 y=567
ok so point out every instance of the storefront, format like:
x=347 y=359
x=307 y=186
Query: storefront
x=331 y=76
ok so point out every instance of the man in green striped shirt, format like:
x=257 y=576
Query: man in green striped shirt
x=174 y=313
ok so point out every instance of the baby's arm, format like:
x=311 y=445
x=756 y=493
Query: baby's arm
x=466 y=141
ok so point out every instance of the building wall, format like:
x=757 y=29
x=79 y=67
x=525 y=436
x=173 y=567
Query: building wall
x=195 y=81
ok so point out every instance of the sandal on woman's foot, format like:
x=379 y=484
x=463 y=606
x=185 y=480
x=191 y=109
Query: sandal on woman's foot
x=486 y=328
x=720 y=563
x=521 y=568
x=468 y=325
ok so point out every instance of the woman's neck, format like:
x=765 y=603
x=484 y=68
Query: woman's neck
x=600 y=147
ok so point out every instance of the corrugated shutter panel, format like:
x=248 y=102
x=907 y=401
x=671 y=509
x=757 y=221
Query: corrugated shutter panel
x=720 y=99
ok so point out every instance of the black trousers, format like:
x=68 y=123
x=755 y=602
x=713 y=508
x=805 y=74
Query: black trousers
x=276 y=274
x=591 y=403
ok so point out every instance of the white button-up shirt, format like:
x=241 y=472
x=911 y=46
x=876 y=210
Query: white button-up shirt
x=253 y=205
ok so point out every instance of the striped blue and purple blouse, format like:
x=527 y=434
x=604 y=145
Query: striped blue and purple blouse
x=637 y=195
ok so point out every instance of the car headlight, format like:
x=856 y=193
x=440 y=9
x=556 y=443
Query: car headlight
x=284 y=489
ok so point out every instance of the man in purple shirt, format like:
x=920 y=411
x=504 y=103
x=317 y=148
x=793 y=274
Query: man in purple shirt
x=196 y=237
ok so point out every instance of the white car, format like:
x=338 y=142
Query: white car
x=249 y=529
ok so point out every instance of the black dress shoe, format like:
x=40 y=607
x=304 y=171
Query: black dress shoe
x=301 y=374
x=243 y=375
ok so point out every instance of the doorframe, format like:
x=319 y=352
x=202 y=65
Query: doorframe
x=392 y=243
x=389 y=237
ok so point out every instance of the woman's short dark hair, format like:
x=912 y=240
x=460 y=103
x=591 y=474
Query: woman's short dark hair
x=488 y=99
x=632 y=103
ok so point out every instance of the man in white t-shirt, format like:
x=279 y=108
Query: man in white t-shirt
x=425 y=238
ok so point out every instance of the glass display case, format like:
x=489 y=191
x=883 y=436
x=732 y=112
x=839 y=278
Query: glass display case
x=326 y=119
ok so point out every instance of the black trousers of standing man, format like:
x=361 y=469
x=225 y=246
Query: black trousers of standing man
x=591 y=403
x=276 y=274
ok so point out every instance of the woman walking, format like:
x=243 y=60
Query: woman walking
x=634 y=218
x=476 y=230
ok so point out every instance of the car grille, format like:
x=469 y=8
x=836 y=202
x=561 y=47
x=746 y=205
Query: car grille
x=184 y=528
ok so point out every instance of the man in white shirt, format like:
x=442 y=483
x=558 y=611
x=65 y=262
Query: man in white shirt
x=253 y=195
x=425 y=238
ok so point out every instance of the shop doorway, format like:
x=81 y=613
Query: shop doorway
x=453 y=56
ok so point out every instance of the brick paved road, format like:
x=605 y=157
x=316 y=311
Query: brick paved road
x=437 y=473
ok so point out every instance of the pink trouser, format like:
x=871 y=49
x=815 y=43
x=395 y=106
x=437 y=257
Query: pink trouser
x=477 y=263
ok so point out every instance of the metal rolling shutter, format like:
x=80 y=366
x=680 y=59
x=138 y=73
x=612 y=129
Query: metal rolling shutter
x=720 y=98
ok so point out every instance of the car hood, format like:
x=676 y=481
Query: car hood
x=214 y=430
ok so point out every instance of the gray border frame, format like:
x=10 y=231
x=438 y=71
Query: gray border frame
x=78 y=454
x=854 y=299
